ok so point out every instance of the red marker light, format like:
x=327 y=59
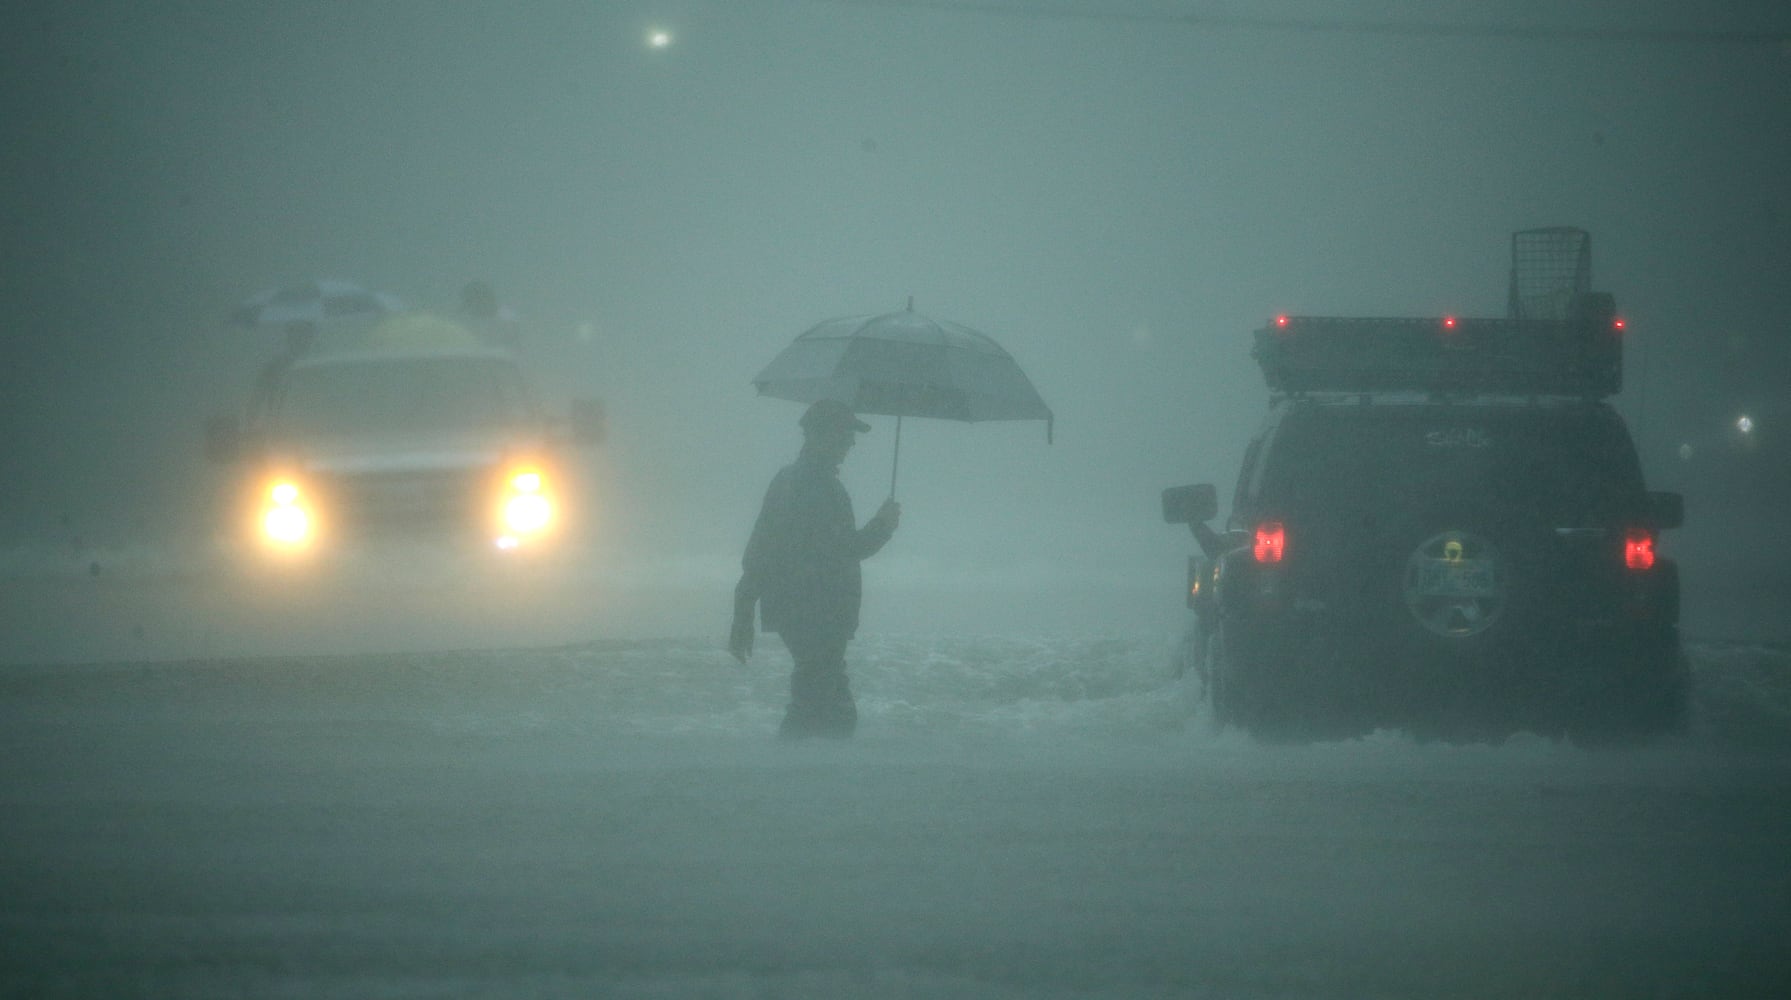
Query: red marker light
x=1271 y=542
x=1617 y=324
x=1448 y=322
x=1638 y=550
x=1281 y=321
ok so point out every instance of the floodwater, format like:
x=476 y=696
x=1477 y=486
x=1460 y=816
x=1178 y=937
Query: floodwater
x=1021 y=815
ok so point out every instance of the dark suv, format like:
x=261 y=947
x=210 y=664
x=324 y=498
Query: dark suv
x=1440 y=526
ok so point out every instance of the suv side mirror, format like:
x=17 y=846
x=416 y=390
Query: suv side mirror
x=587 y=421
x=1190 y=504
x=1666 y=510
x=223 y=440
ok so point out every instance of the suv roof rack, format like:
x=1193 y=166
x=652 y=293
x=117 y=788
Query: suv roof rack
x=1579 y=355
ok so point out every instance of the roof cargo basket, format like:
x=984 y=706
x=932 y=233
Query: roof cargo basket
x=1558 y=338
x=1580 y=354
x=1551 y=270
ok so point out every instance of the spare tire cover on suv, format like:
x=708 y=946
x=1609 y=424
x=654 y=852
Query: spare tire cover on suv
x=1455 y=583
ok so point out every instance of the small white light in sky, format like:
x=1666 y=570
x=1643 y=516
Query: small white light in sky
x=1685 y=452
x=1744 y=424
x=659 y=38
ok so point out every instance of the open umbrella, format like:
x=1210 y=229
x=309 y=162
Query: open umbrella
x=904 y=364
x=314 y=302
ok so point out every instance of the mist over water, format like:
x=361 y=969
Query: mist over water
x=638 y=650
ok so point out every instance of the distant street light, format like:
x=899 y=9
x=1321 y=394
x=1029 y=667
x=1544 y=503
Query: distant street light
x=1744 y=424
x=659 y=38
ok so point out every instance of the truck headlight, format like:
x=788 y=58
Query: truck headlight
x=526 y=508
x=286 y=525
x=285 y=521
x=528 y=513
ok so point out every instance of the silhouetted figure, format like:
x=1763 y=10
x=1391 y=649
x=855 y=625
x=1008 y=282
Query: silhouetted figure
x=801 y=571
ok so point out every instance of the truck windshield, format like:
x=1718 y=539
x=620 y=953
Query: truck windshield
x=402 y=394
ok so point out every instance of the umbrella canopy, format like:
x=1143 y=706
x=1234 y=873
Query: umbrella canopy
x=904 y=364
x=315 y=302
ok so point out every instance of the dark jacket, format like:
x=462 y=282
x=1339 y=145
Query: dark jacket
x=801 y=564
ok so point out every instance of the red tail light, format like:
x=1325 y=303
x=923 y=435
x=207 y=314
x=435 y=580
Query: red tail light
x=1271 y=542
x=1638 y=550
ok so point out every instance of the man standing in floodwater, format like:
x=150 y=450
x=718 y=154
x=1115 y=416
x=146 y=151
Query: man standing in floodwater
x=801 y=570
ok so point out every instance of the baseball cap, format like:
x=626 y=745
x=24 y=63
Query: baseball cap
x=831 y=414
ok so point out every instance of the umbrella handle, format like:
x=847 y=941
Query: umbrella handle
x=896 y=463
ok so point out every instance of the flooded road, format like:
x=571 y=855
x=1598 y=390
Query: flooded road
x=1020 y=817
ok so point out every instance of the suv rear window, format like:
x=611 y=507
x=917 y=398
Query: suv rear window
x=1561 y=463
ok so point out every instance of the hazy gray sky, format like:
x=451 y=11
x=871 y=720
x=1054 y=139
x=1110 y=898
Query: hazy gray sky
x=1116 y=196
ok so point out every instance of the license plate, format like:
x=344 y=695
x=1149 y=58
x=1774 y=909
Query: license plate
x=1463 y=578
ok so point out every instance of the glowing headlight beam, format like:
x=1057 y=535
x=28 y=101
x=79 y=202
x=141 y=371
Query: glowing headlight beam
x=285 y=521
x=287 y=525
x=528 y=514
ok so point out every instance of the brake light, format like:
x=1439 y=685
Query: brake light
x=1638 y=551
x=1271 y=542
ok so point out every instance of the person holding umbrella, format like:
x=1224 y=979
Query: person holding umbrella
x=801 y=572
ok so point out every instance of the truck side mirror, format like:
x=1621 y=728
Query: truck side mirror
x=1666 y=510
x=223 y=440
x=587 y=421
x=1190 y=504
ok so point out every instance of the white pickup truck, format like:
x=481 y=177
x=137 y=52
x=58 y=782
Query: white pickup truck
x=347 y=448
